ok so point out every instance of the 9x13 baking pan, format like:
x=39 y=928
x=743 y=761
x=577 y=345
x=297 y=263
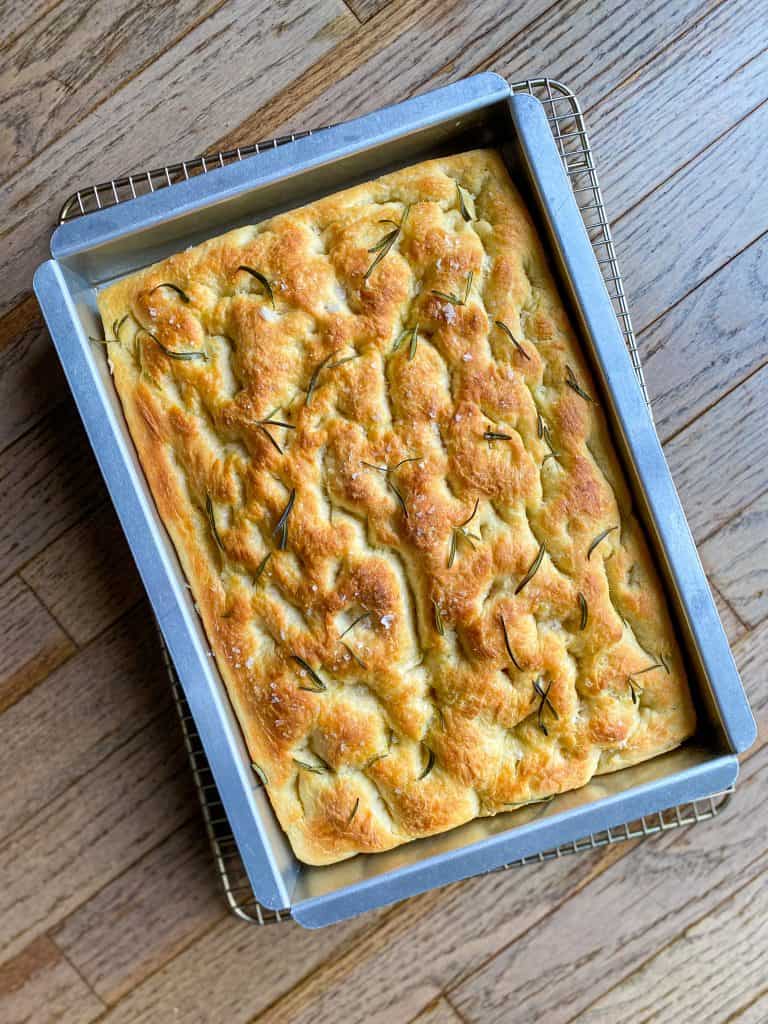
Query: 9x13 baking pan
x=92 y=251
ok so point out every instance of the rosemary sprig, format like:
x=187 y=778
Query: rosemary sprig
x=544 y=703
x=384 y=244
x=262 y=425
x=461 y=531
x=439 y=624
x=360 y=618
x=466 y=203
x=212 y=521
x=181 y=356
x=313 y=379
x=262 y=281
x=117 y=324
x=455 y=299
x=388 y=471
x=354 y=811
x=570 y=380
x=316 y=769
x=503 y=327
x=600 y=537
x=319 y=685
x=493 y=435
x=261 y=567
x=635 y=690
x=430 y=763
x=262 y=775
x=532 y=570
x=664 y=662
x=174 y=288
x=282 y=523
x=507 y=644
x=356 y=657
x=661 y=663
x=584 y=611
x=410 y=335
x=374 y=759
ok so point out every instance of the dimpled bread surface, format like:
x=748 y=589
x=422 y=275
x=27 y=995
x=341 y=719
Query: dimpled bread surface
x=380 y=455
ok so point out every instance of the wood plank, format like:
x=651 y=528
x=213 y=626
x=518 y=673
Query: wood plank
x=394 y=970
x=715 y=465
x=732 y=624
x=15 y=18
x=75 y=845
x=239 y=56
x=234 y=971
x=612 y=925
x=31 y=379
x=33 y=644
x=736 y=558
x=593 y=47
x=709 y=342
x=143 y=918
x=364 y=10
x=39 y=986
x=83 y=712
x=87 y=577
x=73 y=57
x=664 y=255
x=669 y=987
x=48 y=481
x=755 y=1012
x=751 y=654
x=687 y=94
x=439 y=1012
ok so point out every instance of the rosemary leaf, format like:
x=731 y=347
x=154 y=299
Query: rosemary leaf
x=262 y=775
x=261 y=567
x=374 y=759
x=492 y=435
x=356 y=657
x=635 y=690
x=262 y=281
x=319 y=686
x=503 y=327
x=282 y=523
x=584 y=611
x=340 y=362
x=212 y=521
x=429 y=765
x=181 y=356
x=313 y=379
x=382 y=247
x=455 y=299
x=275 y=423
x=532 y=570
x=452 y=549
x=354 y=811
x=570 y=380
x=469 y=519
x=271 y=439
x=316 y=769
x=664 y=662
x=439 y=624
x=600 y=537
x=174 y=288
x=117 y=324
x=400 y=498
x=360 y=618
x=402 y=462
x=530 y=803
x=544 y=703
x=413 y=342
x=466 y=203
x=539 y=426
x=507 y=644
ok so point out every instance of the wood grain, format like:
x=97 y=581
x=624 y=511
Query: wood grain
x=48 y=482
x=75 y=56
x=732 y=624
x=87 y=577
x=751 y=654
x=614 y=924
x=96 y=828
x=708 y=343
x=430 y=941
x=38 y=986
x=82 y=713
x=669 y=987
x=736 y=558
x=364 y=10
x=145 y=916
x=715 y=464
x=439 y=1012
x=33 y=644
x=239 y=56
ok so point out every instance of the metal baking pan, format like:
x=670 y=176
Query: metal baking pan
x=91 y=251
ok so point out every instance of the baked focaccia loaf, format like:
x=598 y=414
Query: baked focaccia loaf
x=373 y=438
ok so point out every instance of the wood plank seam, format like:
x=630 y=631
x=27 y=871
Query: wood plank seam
x=726 y=522
x=353 y=12
x=76 y=969
x=716 y=590
x=659 y=950
x=743 y=1009
x=461 y=1017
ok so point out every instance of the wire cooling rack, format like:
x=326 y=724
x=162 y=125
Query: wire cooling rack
x=567 y=123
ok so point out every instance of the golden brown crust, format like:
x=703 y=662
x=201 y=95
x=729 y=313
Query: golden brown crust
x=419 y=717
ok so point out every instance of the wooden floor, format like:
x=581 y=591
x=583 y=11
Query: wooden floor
x=108 y=904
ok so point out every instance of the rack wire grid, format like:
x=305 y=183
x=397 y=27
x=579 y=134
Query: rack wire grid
x=567 y=123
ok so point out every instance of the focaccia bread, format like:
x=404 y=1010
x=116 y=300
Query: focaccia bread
x=375 y=442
